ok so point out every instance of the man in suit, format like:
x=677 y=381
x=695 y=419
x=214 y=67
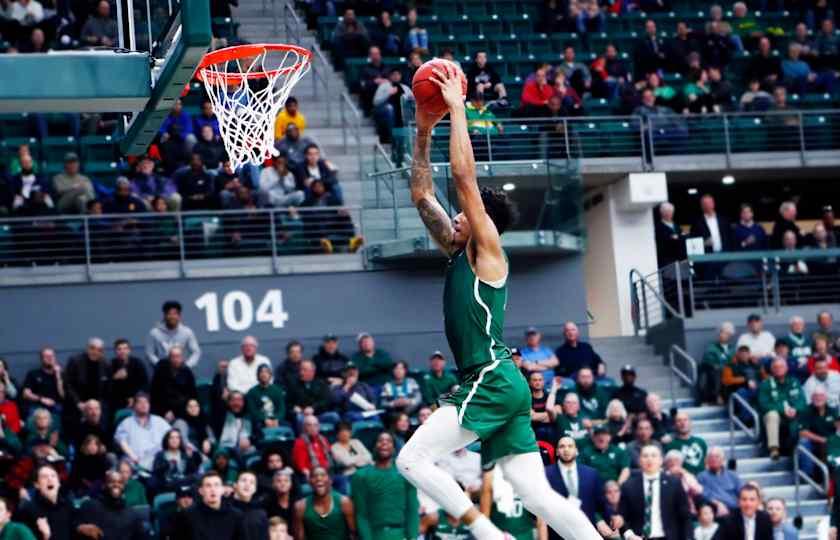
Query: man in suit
x=747 y=522
x=653 y=504
x=670 y=240
x=582 y=485
x=715 y=231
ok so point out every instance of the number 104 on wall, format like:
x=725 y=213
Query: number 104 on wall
x=237 y=310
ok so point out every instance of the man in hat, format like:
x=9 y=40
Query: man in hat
x=437 y=381
x=329 y=360
x=184 y=500
x=628 y=393
x=73 y=189
x=374 y=364
x=353 y=397
x=266 y=401
x=612 y=462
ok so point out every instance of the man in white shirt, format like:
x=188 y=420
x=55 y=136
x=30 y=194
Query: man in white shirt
x=242 y=370
x=823 y=378
x=760 y=341
x=26 y=12
x=140 y=435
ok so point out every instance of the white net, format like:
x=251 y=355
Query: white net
x=247 y=87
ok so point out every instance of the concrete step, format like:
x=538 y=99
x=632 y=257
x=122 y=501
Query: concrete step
x=788 y=493
x=722 y=438
x=710 y=424
x=808 y=508
x=706 y=412
x=769 y=479
x=762 y=465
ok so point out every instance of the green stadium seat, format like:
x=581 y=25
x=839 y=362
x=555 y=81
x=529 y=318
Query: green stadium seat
x=13 y=143
x=97 y=148
x=816 y=101
x=121 y=415
x=492 y=25
x=821 y=132
x=523 y=24
x=622 y=138
x=328 y=431
x=203 y=389
x=53 y=149
x=596 y=106
x=750 y=134
x=14 y=125
x=367 y=431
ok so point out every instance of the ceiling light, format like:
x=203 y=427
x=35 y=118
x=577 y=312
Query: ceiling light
x=692 y=191
x=728 y=180
x=510 y=186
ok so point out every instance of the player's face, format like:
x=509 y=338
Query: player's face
x=462 y=230
x=320 y=481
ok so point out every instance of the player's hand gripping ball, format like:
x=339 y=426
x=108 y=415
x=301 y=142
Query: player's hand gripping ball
x=426 y=93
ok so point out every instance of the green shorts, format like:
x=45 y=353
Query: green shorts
x=495 y=403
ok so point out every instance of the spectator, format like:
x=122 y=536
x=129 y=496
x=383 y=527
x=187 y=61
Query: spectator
x=778 y=518
x=387 y=104
x=242 y=370
x=718 y=44
x=208 y=118
x=816 y=425
x=293 y=146
x=670 y=240
x=697 y=92
x=784 y=223
x=139 y=436
x=542 y=412
x=674 y=467
x=211 y=516
x=827 y=43
x=9 y=413
x=765 y=66
x=374 y=364
x=349 y=454
x=401 y=393
x=579 y=482
x=631 y=396
x=721 y=90
x=619 y=423
x=593 y=397
x=538 y=357
x=26 y=182
x=307 y=395
x=73 y=189
x=575 y=354
x=480 y=119
x=825 y=327
x=181 y=118
x=254 y=517
x=350 y=38
x=747 y=521
x=659 y=420
x=382 y=498
x=569 y=423
x=611 y=461
x=482 y=78
x=176 y=464
x=266 y=401
x=48 y=514
x=7 y=382
x=747 y=234
x=643 y=437
x=279 y=503
x=126 y=375
x=692 y=448
x=124 y=202
x=171 y=332
x=278 y=186
x=416 y=38
x=135 y=493
x=290 y=114
x=742 y=375
x=798 y=344
x=414 y=63
x=11 y=529
x=236 y=432
x=173 y=385
x=760 y=342
x=209 y=146
x=330 y=360
x=576 y=72
x=354 y=399
x=92 y=422
x=148 y=185
x=287 y=371
x=649 y=56
x=89 y=467
x=713 y=228
x=833 y=444
x=552 y=17
x=706 y=525
x=316 y=168
x=755 y=98
x=195 y=185
x=44 y=430
x=800 y=78
x=100 y=28
x=311 y=449
x=87 y=375
x=373 y=74
x=535 y=93
x=678 y=48
x=325 y=512
x=780 y=401
x=720 y=485
x=716 y=356
x=44 y=386
x=384 y=35
x=823 y=377
x=611 y=73
x=653 y=504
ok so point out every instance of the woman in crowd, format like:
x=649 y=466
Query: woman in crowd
x=618 y=422
x=348 y=453
x=176 y=464
x=89 y=468
x=402 y=393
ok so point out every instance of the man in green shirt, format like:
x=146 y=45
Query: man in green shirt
x=374 y=364
x=504 y=507
x=386 y=504
x=266 y=402
x=833 y=447
x=799 y=345
x=780 y=400
x=816 y=425
x=611 y=462
x=693 y=449
x=10 y=530
x=326 y=514
x=571 y=423
x=593 y=398
x=717 y=355
x=446 y=527
x=437 y=381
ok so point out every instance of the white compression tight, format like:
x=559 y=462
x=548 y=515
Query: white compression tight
x=442 y=434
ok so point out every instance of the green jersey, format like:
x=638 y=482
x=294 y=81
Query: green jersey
x=773 y=395
x=609 y=463
x=16 y=531
x=717 y=354
x=445 y=530
x=593 y=402
x=517 y=521
x=433 y=386
x=816 y=423
x=474 y=315
x=572 y=426
x=374 y=369
x=266 y=402
x=331 y=526
x=693 y=450
x=386 y=504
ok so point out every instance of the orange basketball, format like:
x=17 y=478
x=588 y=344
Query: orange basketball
x=426 y=93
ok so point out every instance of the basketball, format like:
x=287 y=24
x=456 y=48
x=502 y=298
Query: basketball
x=426 y=93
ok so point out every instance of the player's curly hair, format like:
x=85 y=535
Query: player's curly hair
x=500 y=208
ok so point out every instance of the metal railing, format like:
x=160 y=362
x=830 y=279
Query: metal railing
x=753 y=432
x=682 y=366
x=651 y=296
x=351 y=121
x=808 y=138
x=799 y=475
x=96 y=242
x=321 y=76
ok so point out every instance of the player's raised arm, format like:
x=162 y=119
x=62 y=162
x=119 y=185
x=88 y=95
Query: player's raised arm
x=435 y=218
x=462 y=161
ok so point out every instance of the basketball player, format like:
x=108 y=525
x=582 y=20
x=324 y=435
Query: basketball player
x=493 y=402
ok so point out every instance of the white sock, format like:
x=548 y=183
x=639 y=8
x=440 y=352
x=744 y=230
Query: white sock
x=483 y=529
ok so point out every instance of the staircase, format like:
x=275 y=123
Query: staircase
x=711 y=422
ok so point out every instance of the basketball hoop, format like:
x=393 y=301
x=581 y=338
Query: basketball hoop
x=247 y=86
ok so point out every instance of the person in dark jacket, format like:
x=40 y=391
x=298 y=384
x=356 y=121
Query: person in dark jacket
x=86 y=377
x=254 y=516
x=195 y=185
x=329 y=360
x=574 y=354
x=712 y=227
x=127 y=376
x=784 y=223
x=210 y=516
x=649 y=56
x=108 y=516
x=173 y=384
x=176 y=464
x=628 y=393
x=734 y=526
x=49 y=515
x=307 y=395
x=749 y=235
x=287 y=372
x=346 y=395
x=670 y=240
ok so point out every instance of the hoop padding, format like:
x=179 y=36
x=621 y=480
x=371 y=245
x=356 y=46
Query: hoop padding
x=245 y=106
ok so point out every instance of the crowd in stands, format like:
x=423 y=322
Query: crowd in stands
x=306 y=446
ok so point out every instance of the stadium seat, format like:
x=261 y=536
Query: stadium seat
x=53 y=149
x=121 y=415
x=97 y=148
x=203 y=389
x=367 y=431
x=163 y=506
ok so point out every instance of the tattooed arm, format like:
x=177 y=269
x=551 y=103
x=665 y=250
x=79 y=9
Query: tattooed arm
x=435 y=218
